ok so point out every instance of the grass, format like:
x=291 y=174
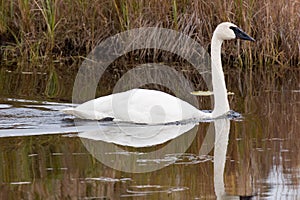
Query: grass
x=48 y=10
x=36 y=33
x=59 y=26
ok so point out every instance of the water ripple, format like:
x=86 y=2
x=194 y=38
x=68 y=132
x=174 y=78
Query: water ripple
x=150 y=189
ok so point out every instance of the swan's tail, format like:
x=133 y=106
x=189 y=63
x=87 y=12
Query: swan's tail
x=69 y=111
x=86 y=114
x=72 y=111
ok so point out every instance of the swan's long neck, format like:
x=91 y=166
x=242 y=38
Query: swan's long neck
x=221 y=105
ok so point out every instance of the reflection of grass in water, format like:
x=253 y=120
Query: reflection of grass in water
x=53 y=86
x=37 y=84
x=57 y=82
x=2 y=80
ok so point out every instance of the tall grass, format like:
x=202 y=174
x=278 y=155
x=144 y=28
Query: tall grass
x=71 y=28
x=48 y=10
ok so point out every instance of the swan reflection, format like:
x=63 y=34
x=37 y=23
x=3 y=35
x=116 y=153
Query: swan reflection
x=137 y=135
x=145 y=148
x=222 y=129
x=139 y=148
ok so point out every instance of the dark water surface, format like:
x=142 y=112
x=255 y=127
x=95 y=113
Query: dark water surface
x=42 y=156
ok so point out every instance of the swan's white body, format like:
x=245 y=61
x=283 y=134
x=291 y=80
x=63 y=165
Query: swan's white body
x=140 y=106
x=151 y=106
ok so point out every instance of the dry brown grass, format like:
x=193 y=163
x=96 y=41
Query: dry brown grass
x=60 y=29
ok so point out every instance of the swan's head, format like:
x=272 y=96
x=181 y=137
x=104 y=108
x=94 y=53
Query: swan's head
x=229 y=31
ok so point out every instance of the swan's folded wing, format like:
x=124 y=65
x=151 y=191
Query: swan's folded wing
x=86 y=114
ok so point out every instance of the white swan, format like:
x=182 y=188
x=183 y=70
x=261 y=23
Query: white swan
x=152 y=106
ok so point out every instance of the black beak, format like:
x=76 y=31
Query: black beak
x=240 y=34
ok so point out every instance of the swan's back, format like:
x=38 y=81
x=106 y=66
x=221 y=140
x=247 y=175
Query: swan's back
x=138 y=105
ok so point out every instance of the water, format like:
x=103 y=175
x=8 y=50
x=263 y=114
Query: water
x=44 y=157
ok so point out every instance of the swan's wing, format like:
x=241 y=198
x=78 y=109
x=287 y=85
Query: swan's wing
x=152 y=106
x=138 y=105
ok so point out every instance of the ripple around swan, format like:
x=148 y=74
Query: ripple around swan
x=25 y=114
x=5 y=106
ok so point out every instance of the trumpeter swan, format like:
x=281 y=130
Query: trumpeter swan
x=152 y=106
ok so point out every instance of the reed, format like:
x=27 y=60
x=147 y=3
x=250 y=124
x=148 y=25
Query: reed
x=48 y=9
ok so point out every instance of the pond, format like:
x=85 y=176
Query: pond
x=48 y=155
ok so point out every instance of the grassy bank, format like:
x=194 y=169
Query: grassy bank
x=62 y=32
x=59 y=30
